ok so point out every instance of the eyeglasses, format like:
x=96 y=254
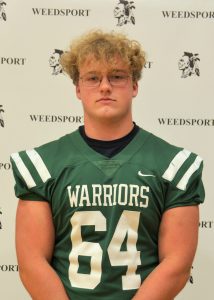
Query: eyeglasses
x=115 y=79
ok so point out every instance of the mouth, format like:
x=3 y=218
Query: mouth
x=105 y=100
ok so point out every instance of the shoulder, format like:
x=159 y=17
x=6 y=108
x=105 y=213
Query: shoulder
x=157 y=147
x=58 y=150
x=173 y=163
x=46 y=161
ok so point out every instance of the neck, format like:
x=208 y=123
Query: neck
x=107 y=130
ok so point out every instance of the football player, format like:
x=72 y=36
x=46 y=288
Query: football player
x=109 y=211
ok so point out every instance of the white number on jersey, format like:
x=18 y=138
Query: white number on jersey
x=127 y=226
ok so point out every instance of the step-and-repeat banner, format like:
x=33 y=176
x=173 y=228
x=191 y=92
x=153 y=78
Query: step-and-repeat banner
x=175 y=100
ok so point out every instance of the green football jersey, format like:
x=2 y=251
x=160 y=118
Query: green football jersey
x=107 y=211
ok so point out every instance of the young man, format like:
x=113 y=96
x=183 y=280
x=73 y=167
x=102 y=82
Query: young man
x=109 y=211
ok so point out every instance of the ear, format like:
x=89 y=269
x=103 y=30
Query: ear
x=135 y=89
x=78 y=93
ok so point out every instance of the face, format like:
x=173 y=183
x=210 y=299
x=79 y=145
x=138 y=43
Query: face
x=119 y=10
x=106 y=101
x=183 y=63
x=54 y=60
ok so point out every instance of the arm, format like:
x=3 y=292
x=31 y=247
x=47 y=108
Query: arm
x=178 y=238
x=34 y=246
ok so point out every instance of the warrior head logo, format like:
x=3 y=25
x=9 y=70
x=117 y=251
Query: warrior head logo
x=2 y=11
x=123 y=12
x=54 y=62
x=188 y=64
x=1 y=118
x=0 y=220
x=191 y=277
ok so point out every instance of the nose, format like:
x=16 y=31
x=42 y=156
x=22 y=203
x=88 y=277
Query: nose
x=105 y=85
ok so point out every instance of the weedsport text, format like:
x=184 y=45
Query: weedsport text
x=61 y=12
x=55 y=119
x=178 y=14
x=186 y=122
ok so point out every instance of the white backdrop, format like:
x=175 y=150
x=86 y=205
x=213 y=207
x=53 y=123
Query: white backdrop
x=38 y=103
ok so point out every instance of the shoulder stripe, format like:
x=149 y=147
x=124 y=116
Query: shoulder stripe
x=23 y=170
x=194 y=167
x=39 y=164
x=175 y=164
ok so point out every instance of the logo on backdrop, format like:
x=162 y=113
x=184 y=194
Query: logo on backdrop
x=65 y=12
x=191 y=277
x=186 y=122
x=188 y=64
x=17 y=61
x=0 y=218
x=9 y=268
x=148 y=64
x=5 y=166
x=56 y=119
x=206 y=224
x=1 y=117
x=179 y=14
x=123 y=12
x=54 y=62
x=2 y=11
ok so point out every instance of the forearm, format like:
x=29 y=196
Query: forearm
x=42 y=282
x=164 y=283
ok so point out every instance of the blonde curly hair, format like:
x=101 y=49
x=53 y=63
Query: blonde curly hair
x=103 y=47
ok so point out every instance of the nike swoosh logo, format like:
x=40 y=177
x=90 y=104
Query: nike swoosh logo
x=145 y=175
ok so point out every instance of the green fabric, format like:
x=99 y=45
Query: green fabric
x=106 y=212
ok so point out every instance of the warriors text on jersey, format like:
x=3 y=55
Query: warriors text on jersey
x=107 y=211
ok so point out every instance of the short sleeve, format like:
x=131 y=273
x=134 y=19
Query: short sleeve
x=184 y=186
x=30 y=183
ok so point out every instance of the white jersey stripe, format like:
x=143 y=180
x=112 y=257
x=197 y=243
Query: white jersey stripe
x=175 y=164
x=39 y=164
x=184 y=180
x=23 y=170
